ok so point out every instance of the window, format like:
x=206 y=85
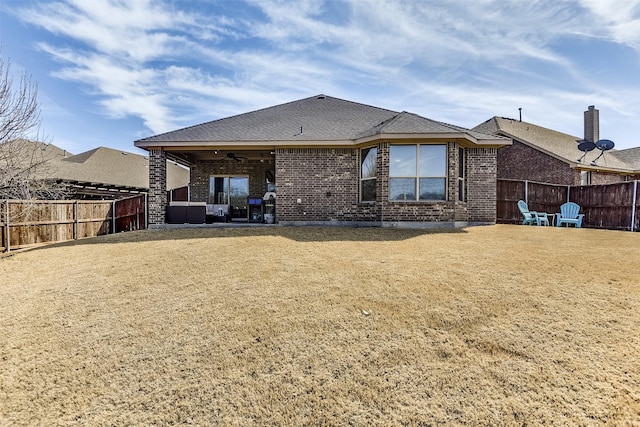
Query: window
x=462 y=194
x=417 y=172
x=368 y=166
x=585 y=177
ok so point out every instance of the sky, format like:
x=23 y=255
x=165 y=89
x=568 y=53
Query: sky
x=110 y=72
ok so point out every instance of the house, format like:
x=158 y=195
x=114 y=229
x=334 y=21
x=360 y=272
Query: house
x=327 y=160
x=105 y=172
x=98 y=173
x=544 y=155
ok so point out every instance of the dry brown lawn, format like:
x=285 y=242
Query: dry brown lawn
x=501 y=325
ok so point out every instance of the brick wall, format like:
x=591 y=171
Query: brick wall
x=522 y=162
x=519 y=161
x=254 y=169
x=324 y=181
x=481 y=184
x=605 y=178
x=157 y=186
x=436 y=211
x=323 y=185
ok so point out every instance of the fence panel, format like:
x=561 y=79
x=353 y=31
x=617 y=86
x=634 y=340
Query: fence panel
x=609 y=206
x=93 y=218
x=546 y=197
x=605 y=206
x=34 y=222
x=178 y=194
x=130 y=214
x=508 y=193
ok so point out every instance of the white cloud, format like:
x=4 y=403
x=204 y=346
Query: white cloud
x=618 y=19
x=454 y=60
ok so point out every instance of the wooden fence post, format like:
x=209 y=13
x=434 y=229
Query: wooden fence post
x=113 y=217
x=76 y=220
x=633 y=205
x=6 y=226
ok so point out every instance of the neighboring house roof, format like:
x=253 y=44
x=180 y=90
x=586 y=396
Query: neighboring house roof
x=102 y=166
x=556 y=144
x=116 y=168
x=631 y=156
x=318 y=120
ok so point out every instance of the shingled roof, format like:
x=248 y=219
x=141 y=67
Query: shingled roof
x=556 y=144
x=116 y=168
x=101 y=166
x=315 y=120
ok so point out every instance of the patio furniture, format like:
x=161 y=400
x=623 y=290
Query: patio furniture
x=532 y=217
x=569 y=215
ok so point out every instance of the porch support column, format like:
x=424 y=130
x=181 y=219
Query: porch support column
x=157 y=186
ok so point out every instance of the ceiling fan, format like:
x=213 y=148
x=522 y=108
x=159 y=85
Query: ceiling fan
x=232 y=156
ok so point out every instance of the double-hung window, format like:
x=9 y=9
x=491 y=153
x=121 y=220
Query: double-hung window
x=417 y=172
x=368 y=167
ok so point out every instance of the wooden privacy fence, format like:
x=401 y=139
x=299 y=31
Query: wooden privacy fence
x=25 y=223
x=612 y=206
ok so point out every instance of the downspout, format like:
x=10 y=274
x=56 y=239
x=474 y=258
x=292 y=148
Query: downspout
x=526 y=191
x=633 y=205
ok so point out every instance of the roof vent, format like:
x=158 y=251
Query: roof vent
x=321 y=97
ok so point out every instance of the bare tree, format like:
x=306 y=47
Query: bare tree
x=24 y=162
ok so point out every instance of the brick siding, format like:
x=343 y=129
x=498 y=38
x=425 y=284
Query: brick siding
x=606 y=178
x=157 y=186
x=481 y=184
x=324 y=181
x=322 y=184
x=521 y=162
x=254 y=169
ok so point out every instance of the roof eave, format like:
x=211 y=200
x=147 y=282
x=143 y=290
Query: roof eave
x=222 y=145
x=461 y=137
x=602 y=168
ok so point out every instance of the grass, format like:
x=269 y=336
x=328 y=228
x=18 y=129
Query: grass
x=501 y=325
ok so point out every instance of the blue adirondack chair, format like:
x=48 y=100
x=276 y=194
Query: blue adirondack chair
x=532 y=217
x=569 y=215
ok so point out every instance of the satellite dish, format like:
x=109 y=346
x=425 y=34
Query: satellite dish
x=602 y=145
x=605 y=144
x=585 y=146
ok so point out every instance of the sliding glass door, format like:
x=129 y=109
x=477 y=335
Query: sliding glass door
x=233 y=193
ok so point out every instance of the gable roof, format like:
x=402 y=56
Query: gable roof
x=317 y=120
x=560 y=145
x=104 y=165
x=631 y=156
